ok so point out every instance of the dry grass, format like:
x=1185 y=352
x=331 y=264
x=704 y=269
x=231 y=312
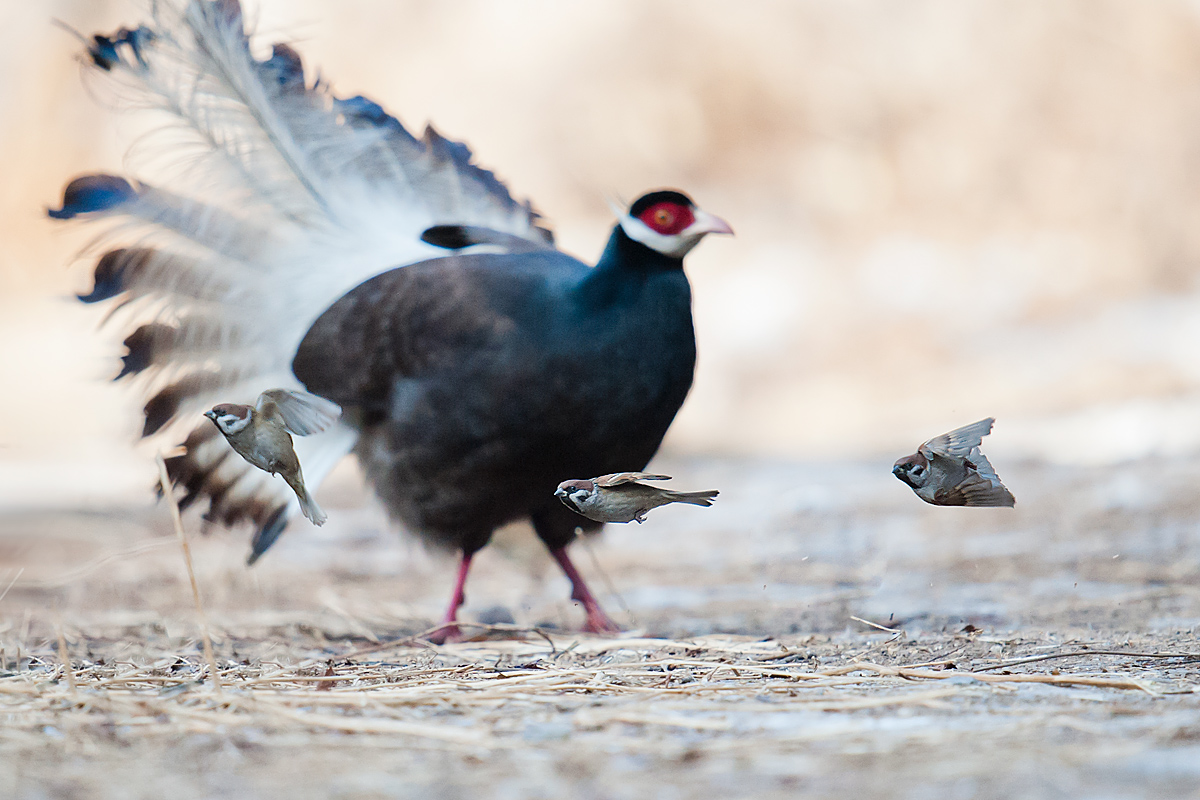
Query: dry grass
x=694 y=713
x=879 y=648
x=422 y=691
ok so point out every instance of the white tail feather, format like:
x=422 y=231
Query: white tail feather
x=276 y=198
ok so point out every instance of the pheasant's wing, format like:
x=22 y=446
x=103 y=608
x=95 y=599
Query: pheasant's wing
x=618 y=478
x=960 y=441
x=302 y=413
x=263 y=198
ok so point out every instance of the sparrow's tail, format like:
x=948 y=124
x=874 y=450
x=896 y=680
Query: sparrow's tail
x=308 y=506
x=695 y=498
x=260 y=198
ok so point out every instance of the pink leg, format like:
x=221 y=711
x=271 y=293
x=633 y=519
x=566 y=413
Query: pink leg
x=597 y=620
x=448 y=631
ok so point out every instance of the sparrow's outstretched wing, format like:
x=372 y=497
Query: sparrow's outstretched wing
x=302 y=413
x=990 y=490
x=981 y=487
x=958 y=442
x=618 y=478
x=264 y=199
x=976 y=491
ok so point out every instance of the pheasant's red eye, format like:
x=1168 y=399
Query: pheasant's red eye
x=667 y=218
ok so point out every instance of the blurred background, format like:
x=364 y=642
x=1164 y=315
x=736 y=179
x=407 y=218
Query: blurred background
x=945 y=209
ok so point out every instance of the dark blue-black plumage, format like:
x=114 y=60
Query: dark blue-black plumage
x=482 y=381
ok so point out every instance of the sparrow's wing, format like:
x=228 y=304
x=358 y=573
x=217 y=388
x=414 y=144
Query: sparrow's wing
x=976 y=491
x=618 y=478
x=959 y=442
x=981 y=487
x=301 y=413
x=989 y=491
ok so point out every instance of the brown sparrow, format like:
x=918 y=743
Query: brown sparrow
x=949 y=470
x=261 y=435
x=619 y=498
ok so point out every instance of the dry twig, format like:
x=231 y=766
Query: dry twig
x=187 y=560
x=876 y=625
x=1073 y=653
x=10 y=583
x=68 y=672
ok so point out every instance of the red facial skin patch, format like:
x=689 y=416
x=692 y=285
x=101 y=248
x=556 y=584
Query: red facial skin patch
x=667 y=218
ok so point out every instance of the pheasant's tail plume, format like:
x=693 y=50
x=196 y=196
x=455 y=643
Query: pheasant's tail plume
x=696 y=498
x=261 y=201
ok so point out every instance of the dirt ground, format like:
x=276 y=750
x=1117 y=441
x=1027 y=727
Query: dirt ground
x=744 y=672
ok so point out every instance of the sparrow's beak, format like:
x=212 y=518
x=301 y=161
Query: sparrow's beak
x=560 y=493
x=707 y=223
x=211 y=415
x=897 y=470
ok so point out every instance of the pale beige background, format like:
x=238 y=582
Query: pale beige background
x=945 y=209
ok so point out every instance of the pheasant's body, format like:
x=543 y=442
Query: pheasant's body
x=481 y=380
x=307 y=246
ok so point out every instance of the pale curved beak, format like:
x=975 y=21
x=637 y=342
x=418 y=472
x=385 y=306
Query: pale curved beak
x=708 y=223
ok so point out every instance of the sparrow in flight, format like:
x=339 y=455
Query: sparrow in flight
x=620 y=498
x=949 y=470
x=261 y=434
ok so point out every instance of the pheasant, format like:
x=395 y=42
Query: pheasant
x=307 y=241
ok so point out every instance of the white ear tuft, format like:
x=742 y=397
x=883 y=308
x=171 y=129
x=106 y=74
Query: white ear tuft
x=232 y=423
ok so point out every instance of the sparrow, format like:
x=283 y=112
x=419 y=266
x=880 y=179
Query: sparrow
x=261 y=434
x=949 y=470
x=620 y=498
